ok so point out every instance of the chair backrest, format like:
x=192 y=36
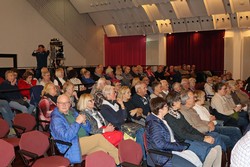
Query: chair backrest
x=99 y=158
x=7 y=153
x=25 y=120
x=1 y=80
x=35 y=94
x=4 y=128
x=145 y=141
x=130 y=151
x=35 y=142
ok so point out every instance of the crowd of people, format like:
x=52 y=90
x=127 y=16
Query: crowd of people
x=200 y=124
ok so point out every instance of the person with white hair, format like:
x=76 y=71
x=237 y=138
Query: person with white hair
x=112 y=109
x=176 y=87
x=165 y=88
x=140 y=99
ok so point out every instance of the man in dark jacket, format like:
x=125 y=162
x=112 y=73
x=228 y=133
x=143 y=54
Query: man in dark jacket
x=41 y=54
x=140 y=99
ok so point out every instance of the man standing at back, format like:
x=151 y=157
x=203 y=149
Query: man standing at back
x=41 y=54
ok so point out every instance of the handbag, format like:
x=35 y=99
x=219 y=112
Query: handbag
x=130 y=128
x=114 y=137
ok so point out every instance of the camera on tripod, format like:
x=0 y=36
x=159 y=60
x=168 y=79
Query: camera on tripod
x=56 y=47
x=56 y=53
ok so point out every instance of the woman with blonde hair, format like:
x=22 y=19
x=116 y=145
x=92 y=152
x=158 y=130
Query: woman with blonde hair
x=48 y=101
x=134 y=82
x=135 y=122
x=98 y=124
x=133 y=114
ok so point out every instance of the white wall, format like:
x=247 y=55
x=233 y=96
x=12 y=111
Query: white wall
x=237 y=56
x=156 y=49
x=78 y=29
x=22 y=29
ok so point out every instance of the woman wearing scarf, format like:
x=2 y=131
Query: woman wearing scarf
x=98 y=124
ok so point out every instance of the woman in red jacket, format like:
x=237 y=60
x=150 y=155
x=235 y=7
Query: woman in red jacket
x=26 y=83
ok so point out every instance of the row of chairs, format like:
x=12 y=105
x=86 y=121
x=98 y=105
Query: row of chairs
x=34 y=145
x=25 y=124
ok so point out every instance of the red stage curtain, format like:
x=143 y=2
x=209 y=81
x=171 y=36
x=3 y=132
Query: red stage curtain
x=130 y=50
x=204 y=49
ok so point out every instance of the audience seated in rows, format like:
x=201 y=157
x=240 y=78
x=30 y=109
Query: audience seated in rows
x=223 y=102
x=137 y=108
x=200 y=144
x=160 y=137
x=233 y=133
x=13 y=95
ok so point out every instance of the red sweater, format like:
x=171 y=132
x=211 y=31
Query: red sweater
x=22 y=84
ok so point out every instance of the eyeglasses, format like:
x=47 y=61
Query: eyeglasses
x=63 y=103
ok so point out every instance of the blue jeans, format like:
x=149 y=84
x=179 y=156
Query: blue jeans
x=218 y=140
x=230 y=135
x=139 y=140
x=6 y=112
x=22 y=108
x=243 y=120
x=179 y=161
x=200 y=148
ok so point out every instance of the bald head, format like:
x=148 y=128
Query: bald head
x=63 y=103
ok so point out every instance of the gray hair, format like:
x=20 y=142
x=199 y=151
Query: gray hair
x=138 y=85
x=184 y=96
x=107 y=90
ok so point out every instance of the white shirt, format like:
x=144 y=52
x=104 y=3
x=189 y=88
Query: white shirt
x=240 y=156
x=61 y=80
x=208 y=89
x=222 y=104
x=203 y=113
